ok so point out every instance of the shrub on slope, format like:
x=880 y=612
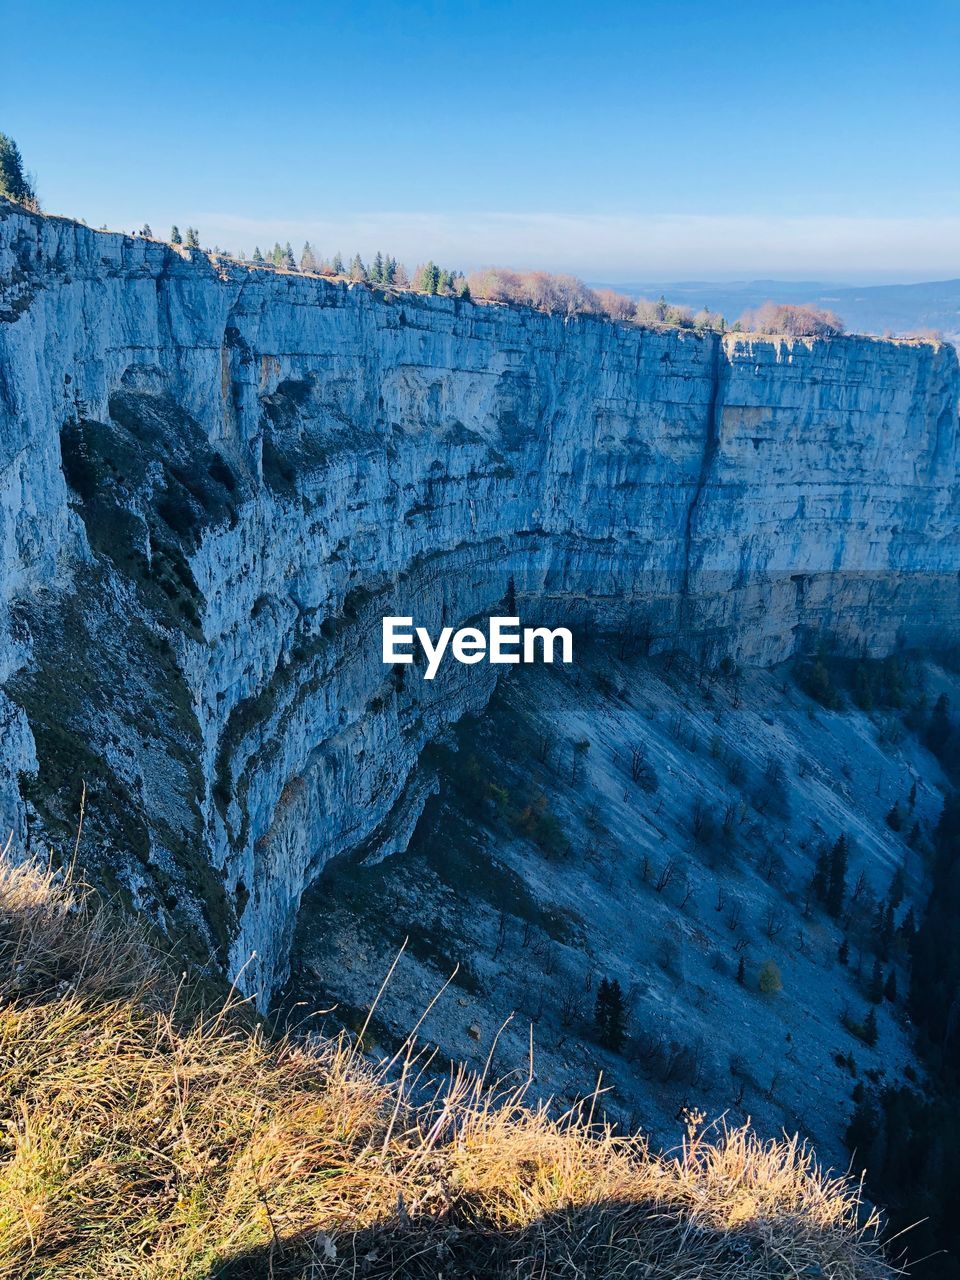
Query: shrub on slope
x=145 y=1134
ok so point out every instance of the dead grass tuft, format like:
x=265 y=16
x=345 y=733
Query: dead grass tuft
x=145 y=1136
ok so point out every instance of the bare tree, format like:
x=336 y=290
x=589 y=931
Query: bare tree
x=774 y=922
x=667 y=872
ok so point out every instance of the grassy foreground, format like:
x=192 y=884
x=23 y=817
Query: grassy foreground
x=143 y=1135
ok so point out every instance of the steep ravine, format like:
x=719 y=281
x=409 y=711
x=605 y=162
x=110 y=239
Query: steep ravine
x=215 y=481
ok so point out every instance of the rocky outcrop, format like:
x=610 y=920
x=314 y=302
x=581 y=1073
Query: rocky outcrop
x=214 y=481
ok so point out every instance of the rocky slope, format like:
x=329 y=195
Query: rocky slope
x=214 y=481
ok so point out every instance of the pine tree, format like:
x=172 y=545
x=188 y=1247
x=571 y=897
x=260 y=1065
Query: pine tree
x=257 y=255
x=875 y=990
x=939 y=728
x=601 y=1006
x=308 y=259
x=193 y=238
x=289 y=262
x=427 y=279
x=337 y=264
x=376 y=269
x=14 y=183
x=617 y=1018
x=464 y=289
x=820 y=883
x=898 y=885
x=837 y=883
x=357 y=270
x=389 y=270
x=887 y=925
x=608 y=1016
x=908 y=927
x=175 y=236
x=870 y=1028
x=147 y=232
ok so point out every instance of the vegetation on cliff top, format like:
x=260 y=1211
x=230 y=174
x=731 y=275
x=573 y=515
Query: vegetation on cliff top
x=149 y=1133
x=15 y=182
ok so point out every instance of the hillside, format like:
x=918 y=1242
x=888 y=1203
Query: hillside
x=633 y=818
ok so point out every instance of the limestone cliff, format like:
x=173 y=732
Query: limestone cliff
x=214 y=481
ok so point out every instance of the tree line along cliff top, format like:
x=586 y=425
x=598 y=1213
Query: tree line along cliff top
x=547 y=292
x=552 y=293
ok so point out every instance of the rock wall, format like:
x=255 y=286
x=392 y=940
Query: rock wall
x=214 y=481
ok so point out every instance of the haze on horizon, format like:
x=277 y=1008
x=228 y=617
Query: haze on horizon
x=752 y=141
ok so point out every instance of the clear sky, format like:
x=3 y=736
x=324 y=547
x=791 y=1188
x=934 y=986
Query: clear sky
x=622 y=141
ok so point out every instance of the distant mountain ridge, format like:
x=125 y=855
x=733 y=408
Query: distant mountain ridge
x=895 y=309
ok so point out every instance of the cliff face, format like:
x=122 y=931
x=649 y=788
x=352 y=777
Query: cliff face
x=214 y=482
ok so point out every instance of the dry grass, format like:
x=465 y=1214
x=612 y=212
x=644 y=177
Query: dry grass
x=143 y=1135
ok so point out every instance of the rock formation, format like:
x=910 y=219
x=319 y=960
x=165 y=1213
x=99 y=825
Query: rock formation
x=215 y=480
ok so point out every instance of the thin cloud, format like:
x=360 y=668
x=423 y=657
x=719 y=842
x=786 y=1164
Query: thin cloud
x=615 y=247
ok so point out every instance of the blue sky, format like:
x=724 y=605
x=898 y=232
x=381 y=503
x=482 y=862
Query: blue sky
x=622 y=141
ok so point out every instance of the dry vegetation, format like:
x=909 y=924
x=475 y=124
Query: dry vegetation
x=148 y=1134
x=792 y=321
x=568 y=295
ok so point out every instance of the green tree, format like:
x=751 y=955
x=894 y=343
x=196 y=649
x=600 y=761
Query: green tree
x=193 y=238
x=898 y=886
x=863 y=688
x=357 y=270
x=308 y=259
x=769 y=980
x=376 y=269
x=870 y=1032
x=257 y=255
x=820 y=883
x=337 y=264
x=609 y=1015
x=875 y=990
x=837 y=883
x=14 y=183
x=175 y=236
x=147 y=231
x=815 y=678
x=939 y=728
x=427 y=279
